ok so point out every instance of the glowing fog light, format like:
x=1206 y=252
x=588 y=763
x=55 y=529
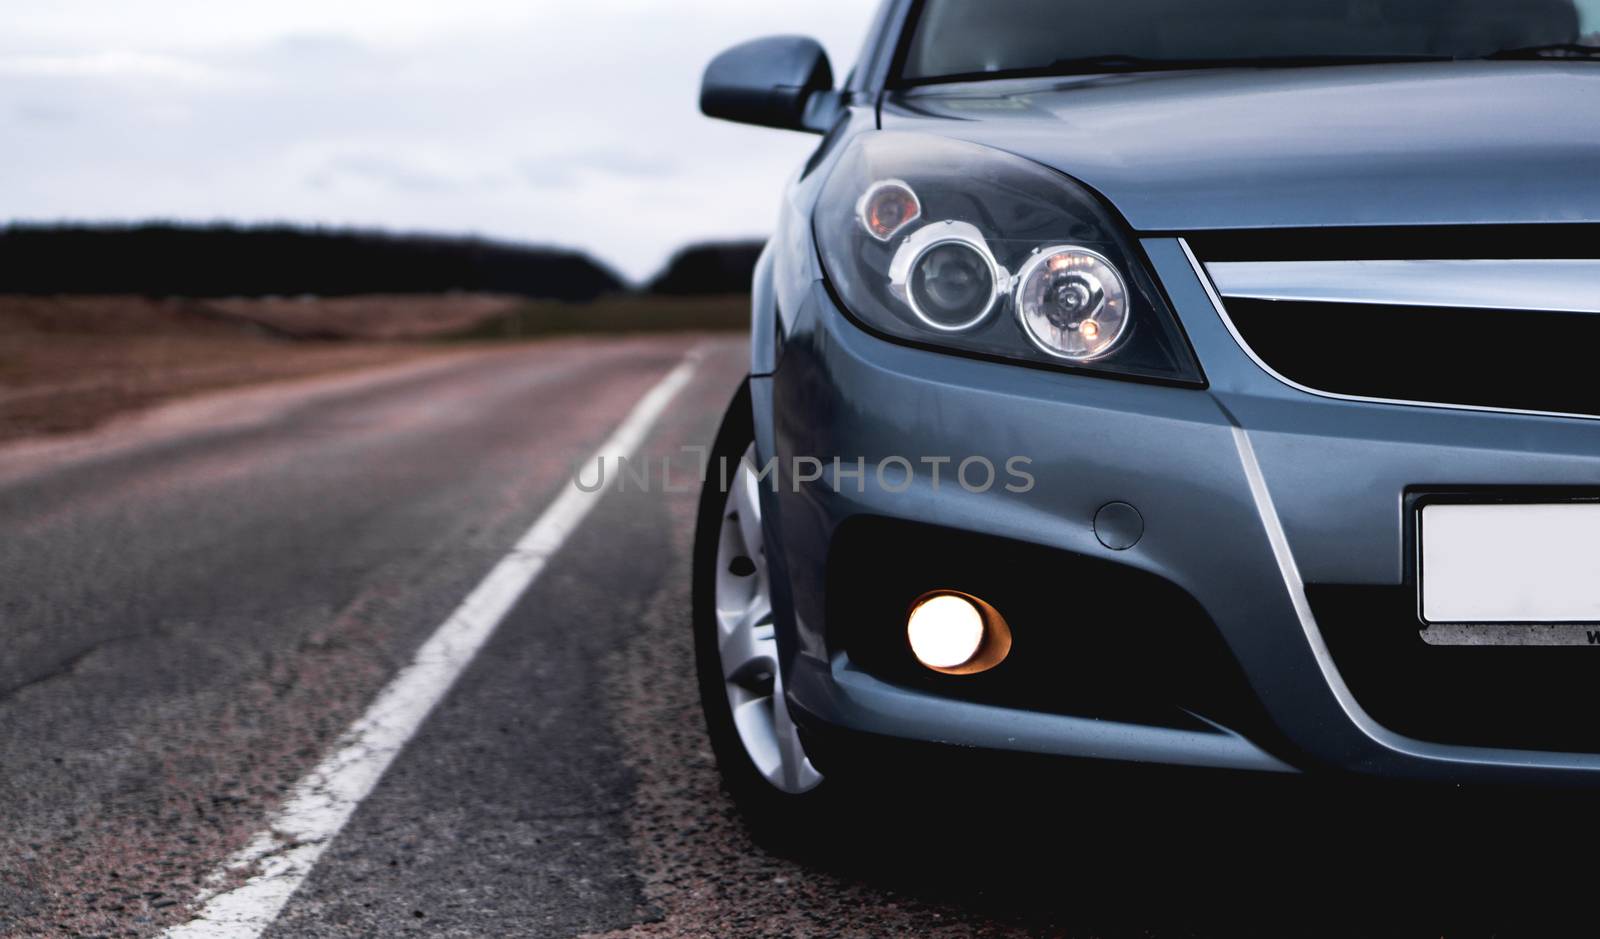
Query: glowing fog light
x=956 y=633
x=945 y=630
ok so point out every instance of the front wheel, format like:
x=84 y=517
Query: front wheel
x=758 y=749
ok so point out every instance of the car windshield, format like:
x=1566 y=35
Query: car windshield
x=962 y=38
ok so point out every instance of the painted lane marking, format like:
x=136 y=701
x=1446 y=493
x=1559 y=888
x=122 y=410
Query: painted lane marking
x=320 y=804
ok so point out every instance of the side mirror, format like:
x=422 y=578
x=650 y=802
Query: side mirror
x=780 y=81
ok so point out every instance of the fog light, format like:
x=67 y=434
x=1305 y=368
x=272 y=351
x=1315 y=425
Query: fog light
x=957 y=633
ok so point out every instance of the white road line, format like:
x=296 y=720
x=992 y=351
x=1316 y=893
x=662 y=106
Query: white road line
x=284 y=853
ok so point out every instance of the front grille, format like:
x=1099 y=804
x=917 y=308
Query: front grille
x=1501 y=318
x=1516 y=697
x=1510 y=359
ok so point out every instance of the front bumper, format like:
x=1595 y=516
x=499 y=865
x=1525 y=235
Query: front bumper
x=1250 y=490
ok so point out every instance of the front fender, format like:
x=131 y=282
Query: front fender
x=764 y=326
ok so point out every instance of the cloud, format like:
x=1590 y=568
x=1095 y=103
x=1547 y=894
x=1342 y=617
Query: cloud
x=115 y=65
x=385 y=171
x=43 y=114
x=567 y=169
x=548 y=121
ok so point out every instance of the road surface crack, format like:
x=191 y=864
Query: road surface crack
x=66 y=667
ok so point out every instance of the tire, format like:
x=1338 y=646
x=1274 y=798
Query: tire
x=759 y=754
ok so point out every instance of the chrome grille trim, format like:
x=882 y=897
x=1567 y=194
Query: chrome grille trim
x=1546 y=285
x=1222 y=314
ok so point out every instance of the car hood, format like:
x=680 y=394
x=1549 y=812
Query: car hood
x=1414 y=144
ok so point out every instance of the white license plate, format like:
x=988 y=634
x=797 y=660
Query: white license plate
x=1510 y=563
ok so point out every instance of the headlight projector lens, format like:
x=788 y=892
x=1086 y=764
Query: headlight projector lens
x=947 y=276
x=1072 y=303
x=951 y=285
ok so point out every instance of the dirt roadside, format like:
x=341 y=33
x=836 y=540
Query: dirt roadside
x=70 y=363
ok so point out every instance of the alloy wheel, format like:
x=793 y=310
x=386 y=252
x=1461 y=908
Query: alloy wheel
x=746 y=644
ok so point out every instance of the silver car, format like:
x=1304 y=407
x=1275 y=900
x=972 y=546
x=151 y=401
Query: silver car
x=1202 y=383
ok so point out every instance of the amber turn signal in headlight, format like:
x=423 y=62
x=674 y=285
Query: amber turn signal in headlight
x=886 y=207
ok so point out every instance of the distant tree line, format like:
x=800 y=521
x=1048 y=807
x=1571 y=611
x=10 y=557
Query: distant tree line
x=173 y=260
x=226 y=260
x=723 y=267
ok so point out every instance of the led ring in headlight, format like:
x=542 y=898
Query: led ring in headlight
x=947 y=275
x=1072 y=302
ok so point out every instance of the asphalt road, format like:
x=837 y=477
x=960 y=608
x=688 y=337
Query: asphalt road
x=194 y=606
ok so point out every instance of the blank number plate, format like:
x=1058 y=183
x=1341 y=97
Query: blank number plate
x=1510 y=563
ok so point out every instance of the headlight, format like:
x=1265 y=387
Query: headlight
x=947 y=276
x=944 y=243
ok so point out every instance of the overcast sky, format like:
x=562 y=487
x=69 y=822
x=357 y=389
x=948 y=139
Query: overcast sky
x=570 y=122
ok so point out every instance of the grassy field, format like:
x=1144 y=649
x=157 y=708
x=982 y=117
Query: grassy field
x=69 y=363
